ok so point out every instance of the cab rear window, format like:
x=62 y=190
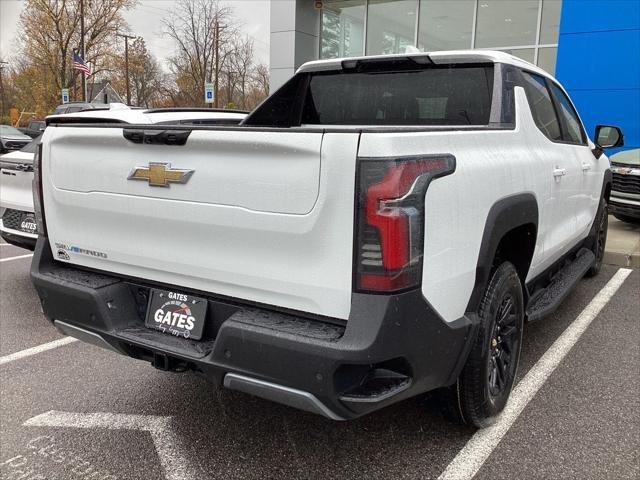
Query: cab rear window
x=430 y=96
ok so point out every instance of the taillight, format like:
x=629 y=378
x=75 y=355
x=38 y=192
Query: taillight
x=390 y=219
x=38 y=206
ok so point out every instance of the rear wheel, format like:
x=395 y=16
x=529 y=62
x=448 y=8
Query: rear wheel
x=484 y=386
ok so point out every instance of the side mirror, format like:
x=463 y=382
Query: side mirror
x=607 y=136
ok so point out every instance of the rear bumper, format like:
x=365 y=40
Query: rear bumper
x=391 y=347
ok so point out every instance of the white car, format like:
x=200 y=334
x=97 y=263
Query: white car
x=377 y=228
x=17 y=221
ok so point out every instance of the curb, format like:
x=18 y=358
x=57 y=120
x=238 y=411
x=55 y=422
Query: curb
x=622 y=259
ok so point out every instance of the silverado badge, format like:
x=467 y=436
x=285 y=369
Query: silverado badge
x=160 y=174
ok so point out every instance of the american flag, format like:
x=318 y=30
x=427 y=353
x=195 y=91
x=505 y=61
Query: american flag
x=78 y=64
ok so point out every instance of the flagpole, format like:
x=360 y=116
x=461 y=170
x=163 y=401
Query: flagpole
x=84 y=57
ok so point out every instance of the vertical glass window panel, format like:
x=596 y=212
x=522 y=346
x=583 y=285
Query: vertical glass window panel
x=542 y=109
x=547 y=59
x=503 y=23
x=391 y=26
x=342 y=32
x=445 y=24
x=550 y=22
x=573 y=131
x=526 y=54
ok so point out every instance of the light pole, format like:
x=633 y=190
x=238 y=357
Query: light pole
x=82 y=52
x=2 y=64
x=217 y=28
x=126 y=63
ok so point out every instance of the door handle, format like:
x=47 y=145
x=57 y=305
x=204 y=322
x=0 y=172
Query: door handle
x=559 y=172
x=586 y=167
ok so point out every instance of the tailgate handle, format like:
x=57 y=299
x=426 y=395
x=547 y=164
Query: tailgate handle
x=156 y=137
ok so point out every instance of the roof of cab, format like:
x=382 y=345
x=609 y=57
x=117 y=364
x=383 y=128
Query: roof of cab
x=441 y=57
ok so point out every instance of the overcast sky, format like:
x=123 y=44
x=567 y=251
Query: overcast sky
x=146 y=21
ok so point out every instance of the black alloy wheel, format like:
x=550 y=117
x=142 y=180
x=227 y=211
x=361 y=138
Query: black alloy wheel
x=601 y=228
x=486 y=380
x=505 y=340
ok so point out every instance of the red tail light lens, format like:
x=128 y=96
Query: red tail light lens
x=390 y=219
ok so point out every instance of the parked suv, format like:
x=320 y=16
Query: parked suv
x=625 y=191
x=34 y=128
x=379 y=227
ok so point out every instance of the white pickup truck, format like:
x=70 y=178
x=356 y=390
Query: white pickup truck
x=379 y=227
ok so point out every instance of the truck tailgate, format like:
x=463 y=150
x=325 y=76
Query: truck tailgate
x=265 y=216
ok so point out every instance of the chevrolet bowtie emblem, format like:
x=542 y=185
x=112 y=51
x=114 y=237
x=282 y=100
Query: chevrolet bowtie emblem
x=160 y=174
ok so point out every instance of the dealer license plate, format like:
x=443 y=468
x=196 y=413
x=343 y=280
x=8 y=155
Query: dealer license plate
x=28 y=223
x=176 y=313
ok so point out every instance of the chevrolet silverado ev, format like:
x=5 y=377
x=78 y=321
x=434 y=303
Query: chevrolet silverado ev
x=377 y=228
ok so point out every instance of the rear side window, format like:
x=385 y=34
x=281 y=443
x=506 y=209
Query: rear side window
x=431 y=96
x=542 y=109
x=571 y=127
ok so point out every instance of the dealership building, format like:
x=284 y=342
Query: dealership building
x=591 y=46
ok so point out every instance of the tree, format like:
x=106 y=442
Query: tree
x=50 y=33
x=145 y=75
x=193 y=28
x=241 y=66
x=261 y=78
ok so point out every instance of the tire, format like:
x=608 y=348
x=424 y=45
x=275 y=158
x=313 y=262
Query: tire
x=599 y=237
x=481 y=392
x=627 y=218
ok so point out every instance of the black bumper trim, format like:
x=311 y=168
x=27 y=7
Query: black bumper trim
x=624 y=208
x=84 y=335
x=18 y=240
x=401 y=333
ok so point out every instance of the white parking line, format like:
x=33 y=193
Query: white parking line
x=469 y=460
x=16 y=258
x=35 y=350
x=169 y=445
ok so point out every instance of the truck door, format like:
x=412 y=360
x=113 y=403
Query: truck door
x=587 y=197
x=561 y=174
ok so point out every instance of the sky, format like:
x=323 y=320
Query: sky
x=146 y=21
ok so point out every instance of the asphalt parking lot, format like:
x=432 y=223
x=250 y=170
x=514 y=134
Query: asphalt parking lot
x=75 y=411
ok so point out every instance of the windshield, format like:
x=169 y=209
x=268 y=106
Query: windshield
x=7 y=130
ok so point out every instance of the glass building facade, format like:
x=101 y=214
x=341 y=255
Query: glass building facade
x=525 y=28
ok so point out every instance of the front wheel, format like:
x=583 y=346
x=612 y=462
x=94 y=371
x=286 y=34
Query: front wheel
x=599 y=235
x=484 y=386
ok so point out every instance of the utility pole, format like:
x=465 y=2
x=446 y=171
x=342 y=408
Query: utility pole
x=2 y=64
x=215 y=81
x=82 y=52
x=126 y=63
